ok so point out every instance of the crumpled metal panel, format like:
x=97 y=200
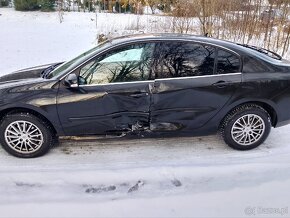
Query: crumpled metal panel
x=104 y=108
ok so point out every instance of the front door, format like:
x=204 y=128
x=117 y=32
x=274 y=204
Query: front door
x=113 y=93
x=191 y=84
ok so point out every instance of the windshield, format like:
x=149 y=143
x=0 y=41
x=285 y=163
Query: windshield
x=57 y=71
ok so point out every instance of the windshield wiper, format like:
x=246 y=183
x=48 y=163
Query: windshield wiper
x=264 y=51
x=47 y=71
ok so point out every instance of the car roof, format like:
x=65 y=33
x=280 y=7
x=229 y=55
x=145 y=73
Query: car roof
x=175 y=36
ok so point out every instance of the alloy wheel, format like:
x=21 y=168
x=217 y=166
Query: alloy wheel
x=248 y=129
x=23 y=137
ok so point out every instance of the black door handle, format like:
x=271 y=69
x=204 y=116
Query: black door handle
x=139 y=95
x=221 y=84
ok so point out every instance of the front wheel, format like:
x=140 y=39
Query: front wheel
x=246 y=127
x=25 y=135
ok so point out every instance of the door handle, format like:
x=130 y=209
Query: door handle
x=221 y=84
x=139 y=95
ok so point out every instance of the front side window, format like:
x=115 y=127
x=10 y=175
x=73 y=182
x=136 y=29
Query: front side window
x=183 y=59
x=227 y=63
x=126 y=64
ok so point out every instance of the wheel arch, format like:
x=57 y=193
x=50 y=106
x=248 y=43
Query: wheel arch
x=265 y=105
x=28 y=110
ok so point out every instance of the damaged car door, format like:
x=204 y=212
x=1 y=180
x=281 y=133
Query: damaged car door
x=191 y=84
x=112 y=93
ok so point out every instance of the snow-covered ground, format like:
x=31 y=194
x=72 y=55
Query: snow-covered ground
x=178 y=177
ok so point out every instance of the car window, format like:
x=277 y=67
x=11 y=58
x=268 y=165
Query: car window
x=227 y=62
x=134 y=54
x=126 y=64
x=253 y=65
x=183 y=59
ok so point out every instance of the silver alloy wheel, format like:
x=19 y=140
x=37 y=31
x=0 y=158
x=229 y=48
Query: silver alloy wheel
x=248 y=129
x=23 y=137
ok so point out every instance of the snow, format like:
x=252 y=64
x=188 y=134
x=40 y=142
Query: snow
x=176 y=177
x=184 y=177
x=38 y=34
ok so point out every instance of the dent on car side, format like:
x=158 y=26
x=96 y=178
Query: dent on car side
x=104 y=109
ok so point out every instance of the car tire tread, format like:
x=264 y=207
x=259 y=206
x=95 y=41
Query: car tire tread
x=47 y=131
x=227 y=122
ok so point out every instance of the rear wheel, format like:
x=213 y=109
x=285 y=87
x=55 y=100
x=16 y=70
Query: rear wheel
x=25 y=135
x=246 y=127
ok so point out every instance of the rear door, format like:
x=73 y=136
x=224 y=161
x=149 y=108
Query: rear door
x=191 y=84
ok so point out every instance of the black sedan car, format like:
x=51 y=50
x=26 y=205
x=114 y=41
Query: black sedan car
x=152 y=85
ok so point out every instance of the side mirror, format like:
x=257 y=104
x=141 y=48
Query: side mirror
x=71 y=81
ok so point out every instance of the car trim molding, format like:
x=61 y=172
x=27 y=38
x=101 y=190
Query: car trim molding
x=197 y=77
x=165 y=79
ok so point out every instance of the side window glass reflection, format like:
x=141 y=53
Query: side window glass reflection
x=127 y=64
x=179 y=59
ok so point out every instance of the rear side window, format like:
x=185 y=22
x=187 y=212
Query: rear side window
x=183 y=59
x=252 y=65
x=227 y=62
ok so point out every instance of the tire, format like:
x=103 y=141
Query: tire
x=246 y=127
x=25 y=135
